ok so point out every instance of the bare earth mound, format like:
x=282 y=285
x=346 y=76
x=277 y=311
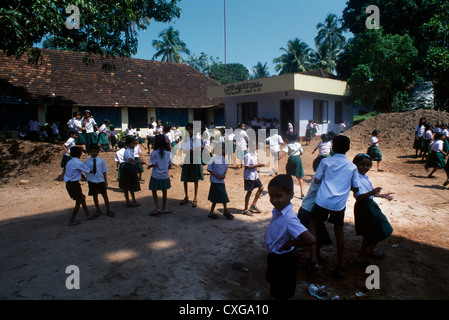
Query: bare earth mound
x=185 y=255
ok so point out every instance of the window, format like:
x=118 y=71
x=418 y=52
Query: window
x=138 y=117
x=246 y=112
x=338 y=112
x=320 y=111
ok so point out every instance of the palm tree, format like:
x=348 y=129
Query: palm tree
x=295 y=59
x=170 y=46
x=331 y=32
x=260 y=71
x=324 y=57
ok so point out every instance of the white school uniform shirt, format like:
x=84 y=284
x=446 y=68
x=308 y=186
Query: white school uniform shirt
x=69 y=144
x=159 y=130
x=77 y=124
x=365 y=185
x=446 y=133
x=129 y=154
x=150 y=133
x=102 y=168
x=230 y=136
x=324 y=147
x=73 y=170
x=337 y=174
x=437 y=146
x=89 y=125
x=284 y=226
x=177 y=134
x=190 y=144
x=130 y=132
x=420 y=130
x=374 y=141
x=275 y=141
x=218 y=165
x=160 y=171
x=137 y=151
x=119 y=155
x=290 y=127
x=240 y=138
x=293 y=149
x=70 y=124
x=250 y=159
x=428 y=135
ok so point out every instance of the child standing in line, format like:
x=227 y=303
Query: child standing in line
x=251 y=179
x=437 y=154
x=192 y=171
x=337 y=176
x=294 y=163
x=217 y=168
x=374 y=151
x=71 y=142
x=370 y=222
x=160 y=180
x=129 y=181
x=72 y=176
x=97 y=179
x=284 y=233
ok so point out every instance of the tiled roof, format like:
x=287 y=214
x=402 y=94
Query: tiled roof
x=62 y=77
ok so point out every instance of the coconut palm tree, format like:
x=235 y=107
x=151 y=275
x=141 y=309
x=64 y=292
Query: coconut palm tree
x=170 y=46
x=324 y=57
x=260 y=71
x=331 y=32
x=296 y=57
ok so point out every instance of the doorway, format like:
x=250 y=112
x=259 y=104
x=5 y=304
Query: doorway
x=287 y=114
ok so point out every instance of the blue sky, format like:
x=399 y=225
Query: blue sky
x=255 y=29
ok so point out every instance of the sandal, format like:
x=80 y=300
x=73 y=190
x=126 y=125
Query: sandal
x=165 y=211
x=228 y=215
x=184 y=201
x=213 y=216
x=194 y=204
x=155 y=213
x=254 y=209
x=247 y=213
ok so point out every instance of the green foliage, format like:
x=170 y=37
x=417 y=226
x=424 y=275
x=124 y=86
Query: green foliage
x=202 y=63
x=260 y=71
x=296 y=57
x=231 y=72
x=107 y=28
x=170 y=46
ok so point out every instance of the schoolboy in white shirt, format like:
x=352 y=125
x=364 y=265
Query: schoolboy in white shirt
x=251 y=178
x=97 y=179
x=338 y=176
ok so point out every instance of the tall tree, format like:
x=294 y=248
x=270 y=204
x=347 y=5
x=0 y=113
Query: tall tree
x=260 y=71
x=296 y=57
x=108 y=28
x=231 y=72
x=378 y=67
x=170 y=46
x=330 y=33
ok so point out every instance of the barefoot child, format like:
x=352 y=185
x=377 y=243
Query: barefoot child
x=72 y=175
x=370 y=222
x=217 y=168
x=251 y=178
x=160 y=180
x=97 y=179
x=284 y=233
x=129 y=181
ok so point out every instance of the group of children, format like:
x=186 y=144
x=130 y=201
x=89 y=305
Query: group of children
x=432 y=144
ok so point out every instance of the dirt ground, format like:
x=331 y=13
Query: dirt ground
x=186 y=256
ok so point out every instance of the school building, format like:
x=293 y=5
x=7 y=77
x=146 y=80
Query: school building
x=313 y=95
x=131 y=91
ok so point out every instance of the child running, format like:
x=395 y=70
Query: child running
x=97 y=179
x=373 y=150
x=71 y=142
x=370 y=222
x=72 y=176
x=284 y=233
x=217 y=168
x=294 y=163
x=160 y=180
x=129 y=181
x=437 y=154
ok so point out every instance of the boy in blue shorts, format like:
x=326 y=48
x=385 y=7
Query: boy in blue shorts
x=251 y=178
x=337 y=176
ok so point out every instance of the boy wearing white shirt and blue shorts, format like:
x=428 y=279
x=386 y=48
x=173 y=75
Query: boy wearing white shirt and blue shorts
x=251 y=178
x=338 y=176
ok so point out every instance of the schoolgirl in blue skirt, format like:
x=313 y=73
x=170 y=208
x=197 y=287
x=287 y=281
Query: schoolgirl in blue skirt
x=294 y=164
x=129 y=181
x=370 y=222
x=160 y=180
